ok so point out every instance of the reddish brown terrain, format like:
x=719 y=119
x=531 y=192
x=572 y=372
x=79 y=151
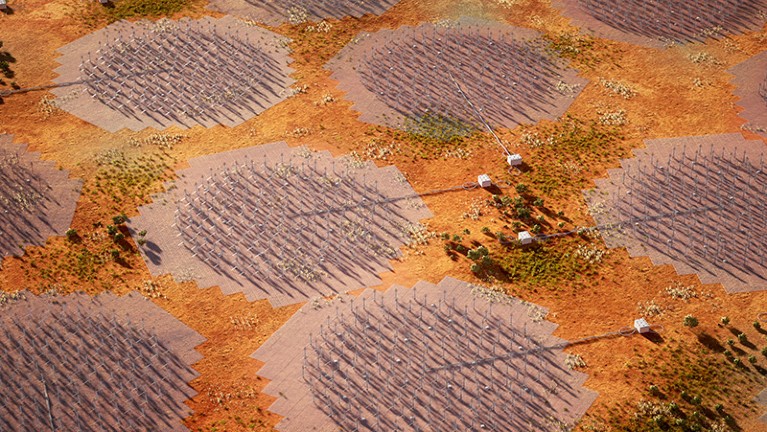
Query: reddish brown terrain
x=709 y=372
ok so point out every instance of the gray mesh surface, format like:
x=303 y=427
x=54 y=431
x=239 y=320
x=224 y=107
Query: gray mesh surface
x=696 y=203
x=79 y=363
x=662 y=22
x=426 y=74
x=173 y=73
x=36 y=199
x=276 y=12
x=751 y=89
x=280 y=223
x=431 y=358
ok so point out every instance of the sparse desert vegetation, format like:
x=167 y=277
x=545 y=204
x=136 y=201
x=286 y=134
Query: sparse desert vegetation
x=700 y=369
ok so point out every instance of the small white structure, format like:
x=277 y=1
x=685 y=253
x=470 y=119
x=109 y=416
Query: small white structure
x=3 y=5
x=514 y=159
x=524 y=238
x=642 y=326
x=483 y=180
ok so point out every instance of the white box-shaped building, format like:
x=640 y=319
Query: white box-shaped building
x=524 y=237
x=483 y=180
x=642 y=326
x=514 y=159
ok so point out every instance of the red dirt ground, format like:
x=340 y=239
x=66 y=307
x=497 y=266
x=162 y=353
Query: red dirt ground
x=675 y=97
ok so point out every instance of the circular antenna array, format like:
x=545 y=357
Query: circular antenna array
x=276 y=12
x=430 y=358
x=94 y=364
x=36 y=199
x=696 y=203
x=282 y=223
x=182 y=73
x=660 y=22
x=751 y=89
x=456 y=77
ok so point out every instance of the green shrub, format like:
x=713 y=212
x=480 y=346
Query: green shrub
x=478 y=253
x=690 y=321
x=523 y=212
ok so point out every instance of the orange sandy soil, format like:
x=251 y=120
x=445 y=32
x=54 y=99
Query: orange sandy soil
x=667 y=104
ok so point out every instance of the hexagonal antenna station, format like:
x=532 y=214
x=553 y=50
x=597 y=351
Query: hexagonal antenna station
x=173 y=73
x=447 y=81
x=696 y=203
x=100 y=363
x=280 y=223
x=751 y=88
x=446 y=357
x=664 y=22
x=276 y=12
x=37 y=200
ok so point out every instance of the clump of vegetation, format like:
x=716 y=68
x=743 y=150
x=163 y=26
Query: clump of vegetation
x=544 y=265
x=297 y=15
x=127 y=182
x=690 y=321
x=703 y=58
x=152 y=289
x=688 y=387
x=613 y=118
x=650 y=309
x=10 y=297
x=141 y=240
x=620 y=88
x=483 y=266
x=681 y=292
x=95 y=13
x=591 y=253
x=6 y=59
x=574 y=361
x=165 y=141
x=434 y=127
x=563 y=153
x=72 y=234
x=578 y=48
x=427 y=137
